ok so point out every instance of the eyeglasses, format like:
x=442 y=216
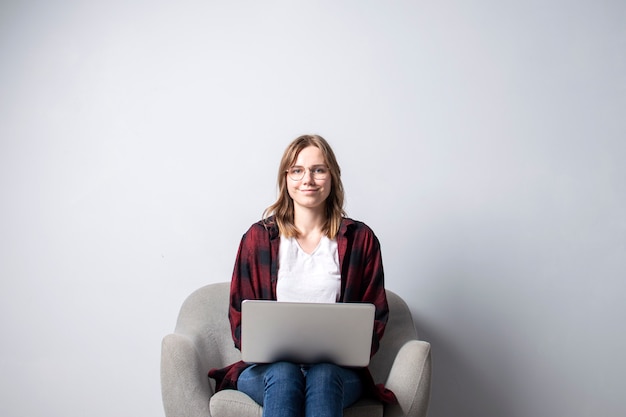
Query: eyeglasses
x=296 y=173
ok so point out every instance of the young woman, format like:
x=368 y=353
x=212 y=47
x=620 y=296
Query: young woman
x=306 y=249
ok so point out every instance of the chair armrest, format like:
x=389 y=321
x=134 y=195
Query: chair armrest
x=409 y=379
x=184 y=382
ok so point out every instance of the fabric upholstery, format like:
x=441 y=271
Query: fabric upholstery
x=201 y=340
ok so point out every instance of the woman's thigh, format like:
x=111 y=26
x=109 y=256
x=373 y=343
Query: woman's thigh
x=329 y=380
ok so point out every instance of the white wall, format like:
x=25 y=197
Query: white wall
x=483 y=141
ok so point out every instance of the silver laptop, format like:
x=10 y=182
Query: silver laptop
x=305 y=333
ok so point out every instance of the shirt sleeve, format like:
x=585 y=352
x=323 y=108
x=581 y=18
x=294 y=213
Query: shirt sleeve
x=365 y=277
x=374 y=288
x=251 y=278
x=239 y=279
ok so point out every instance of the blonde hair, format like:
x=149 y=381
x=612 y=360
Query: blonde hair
x=283 y=209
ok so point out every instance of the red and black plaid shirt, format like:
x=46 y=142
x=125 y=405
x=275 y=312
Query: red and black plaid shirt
x=256 y=273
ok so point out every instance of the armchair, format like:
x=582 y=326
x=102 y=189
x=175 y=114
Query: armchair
x=202 y=340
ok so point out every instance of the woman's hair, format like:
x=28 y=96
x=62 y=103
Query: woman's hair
x=283 y=210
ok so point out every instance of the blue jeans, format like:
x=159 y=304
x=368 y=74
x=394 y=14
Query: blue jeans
x=285 y=389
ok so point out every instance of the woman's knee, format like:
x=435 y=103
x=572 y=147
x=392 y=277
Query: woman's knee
x=284 y=372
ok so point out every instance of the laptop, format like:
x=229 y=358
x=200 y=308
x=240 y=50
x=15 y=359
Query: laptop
x=306 y=333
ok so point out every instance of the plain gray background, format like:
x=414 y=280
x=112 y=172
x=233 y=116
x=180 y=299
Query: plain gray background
x=483 y=141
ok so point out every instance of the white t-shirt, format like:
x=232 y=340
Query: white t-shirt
x=303 y=277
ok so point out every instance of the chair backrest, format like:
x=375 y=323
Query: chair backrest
x=204 y=317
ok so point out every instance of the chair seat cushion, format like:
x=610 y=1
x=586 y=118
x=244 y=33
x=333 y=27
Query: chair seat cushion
x=364 y=408
x=232 y=403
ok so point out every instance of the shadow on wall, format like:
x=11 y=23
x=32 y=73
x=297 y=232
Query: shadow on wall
x=459 y=387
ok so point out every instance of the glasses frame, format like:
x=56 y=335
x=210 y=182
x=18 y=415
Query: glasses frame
x=311 y=171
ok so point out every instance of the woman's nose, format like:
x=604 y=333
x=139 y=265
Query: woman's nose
x=308 y=176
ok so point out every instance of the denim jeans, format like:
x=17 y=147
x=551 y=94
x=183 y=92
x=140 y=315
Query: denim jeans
x=285 y=389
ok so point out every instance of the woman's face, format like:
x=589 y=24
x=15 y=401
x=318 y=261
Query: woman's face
x=312 y=190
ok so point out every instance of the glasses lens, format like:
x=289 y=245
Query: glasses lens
x=296 y=173
x=319 y=173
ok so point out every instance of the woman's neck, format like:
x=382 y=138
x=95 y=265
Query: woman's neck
x=309 y=222
x=310 y=232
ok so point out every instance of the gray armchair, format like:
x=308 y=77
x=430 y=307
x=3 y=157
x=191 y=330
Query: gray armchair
x=202 y=340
